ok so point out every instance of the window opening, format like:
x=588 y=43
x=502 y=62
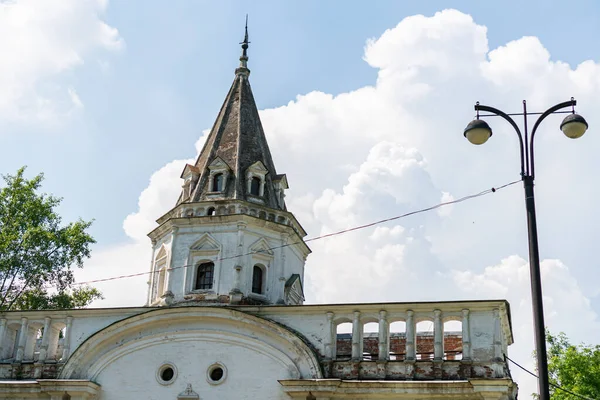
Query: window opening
x=424 y=340
x=211 y=211
x=398 y=340
x=257 y=280
x=255 y=186
x=217 y=183
x=370 y=341
x=204 y=275
x=453 y=340
x=343 y=345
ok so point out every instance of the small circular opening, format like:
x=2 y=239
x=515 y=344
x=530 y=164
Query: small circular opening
x=216 y=374
x=167 y=374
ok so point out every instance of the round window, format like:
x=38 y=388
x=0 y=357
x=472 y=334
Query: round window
x=216 y=374
x=166 y=374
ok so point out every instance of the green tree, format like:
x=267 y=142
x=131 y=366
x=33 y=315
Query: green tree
x=37 y=251
x=573 y=367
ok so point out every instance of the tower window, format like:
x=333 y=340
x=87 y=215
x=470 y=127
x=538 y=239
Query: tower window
x=204 y=275
x=255 y=186
x=217 y=183
x=257 y=279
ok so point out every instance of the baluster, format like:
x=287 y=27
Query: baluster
x=330 y=337
x=438 y=335
x=356 y=337
x=410 y=335
x=466 y=335
x=67 y=339
x=45 y=340
x=22 y=340
x=384 y=348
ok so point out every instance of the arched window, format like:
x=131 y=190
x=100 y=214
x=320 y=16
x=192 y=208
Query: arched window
x=255 y=186
x=204 y=275
x=257 y=279
x=211 y=211
x=217 y=183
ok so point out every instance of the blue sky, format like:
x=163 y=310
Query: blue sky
x=363 y=104
x=167 y=84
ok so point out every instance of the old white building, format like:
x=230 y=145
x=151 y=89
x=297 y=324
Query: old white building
x=225 y=317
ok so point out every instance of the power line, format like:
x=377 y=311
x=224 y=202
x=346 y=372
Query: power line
x=551 y=384
x=328 y=235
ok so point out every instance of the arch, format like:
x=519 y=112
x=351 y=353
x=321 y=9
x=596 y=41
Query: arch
x=424 y=339
x=222 y=210
x=255 y=186
x=162 y=252
x=205 y=272
x=343 y=342
x=211 y=211
x=262 y=215
x=398 y=340
x=370 y=339
x=189 y=324
x=452 y=344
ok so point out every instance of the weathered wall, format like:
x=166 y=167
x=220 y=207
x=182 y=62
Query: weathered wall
x=229 y=241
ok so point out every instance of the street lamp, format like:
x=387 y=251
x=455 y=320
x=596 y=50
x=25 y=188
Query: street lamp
x=573 y=126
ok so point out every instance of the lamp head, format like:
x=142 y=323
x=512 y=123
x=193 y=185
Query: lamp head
x=478 y=131
x=573 y=126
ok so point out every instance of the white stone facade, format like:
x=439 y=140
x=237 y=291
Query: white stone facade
x=235 y=243
x=266 y=352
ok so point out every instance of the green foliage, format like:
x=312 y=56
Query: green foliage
x=573 y=367
x=38 y=252
x=37 y=299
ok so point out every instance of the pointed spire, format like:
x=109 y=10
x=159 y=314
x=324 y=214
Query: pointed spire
x=243 y=68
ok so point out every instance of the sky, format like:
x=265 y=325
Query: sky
x=363 y=104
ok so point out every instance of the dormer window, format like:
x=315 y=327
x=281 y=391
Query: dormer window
x=217 y=183
x=255 y=182
x=255 y=186
x=219 y=172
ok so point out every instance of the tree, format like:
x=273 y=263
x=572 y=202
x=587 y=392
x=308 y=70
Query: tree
x=573 y=367
x=38 y=252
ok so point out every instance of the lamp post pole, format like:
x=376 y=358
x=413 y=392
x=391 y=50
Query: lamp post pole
x=477 y=132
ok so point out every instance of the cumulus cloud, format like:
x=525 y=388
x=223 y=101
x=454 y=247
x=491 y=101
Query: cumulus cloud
x=396 y=146
x=40 y=41
x=564 y=302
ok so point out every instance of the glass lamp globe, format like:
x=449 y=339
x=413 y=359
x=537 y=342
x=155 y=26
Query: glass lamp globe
x=574 y=126
x=478 y=131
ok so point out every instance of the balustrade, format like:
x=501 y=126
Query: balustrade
x=34 y=340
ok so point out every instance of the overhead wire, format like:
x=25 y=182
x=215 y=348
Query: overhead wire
x=551 y=384
x=324 y=236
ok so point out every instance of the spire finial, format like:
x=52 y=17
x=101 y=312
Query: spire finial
x=244 y=57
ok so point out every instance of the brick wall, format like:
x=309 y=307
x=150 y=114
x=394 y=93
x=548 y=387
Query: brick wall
x=424 y=350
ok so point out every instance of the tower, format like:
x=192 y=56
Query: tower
x=230 y=238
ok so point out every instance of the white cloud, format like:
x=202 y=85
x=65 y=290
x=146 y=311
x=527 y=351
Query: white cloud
x=565 y=305
x=396 y=146
x=40 y=41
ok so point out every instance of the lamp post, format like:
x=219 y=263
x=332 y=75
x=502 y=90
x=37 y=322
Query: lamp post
x=573 y=126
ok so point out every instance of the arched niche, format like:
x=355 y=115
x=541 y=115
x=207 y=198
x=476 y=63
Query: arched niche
x=141 y=337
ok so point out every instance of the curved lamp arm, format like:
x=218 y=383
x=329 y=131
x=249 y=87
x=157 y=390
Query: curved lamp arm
x=571 y=103
x=479 y=107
